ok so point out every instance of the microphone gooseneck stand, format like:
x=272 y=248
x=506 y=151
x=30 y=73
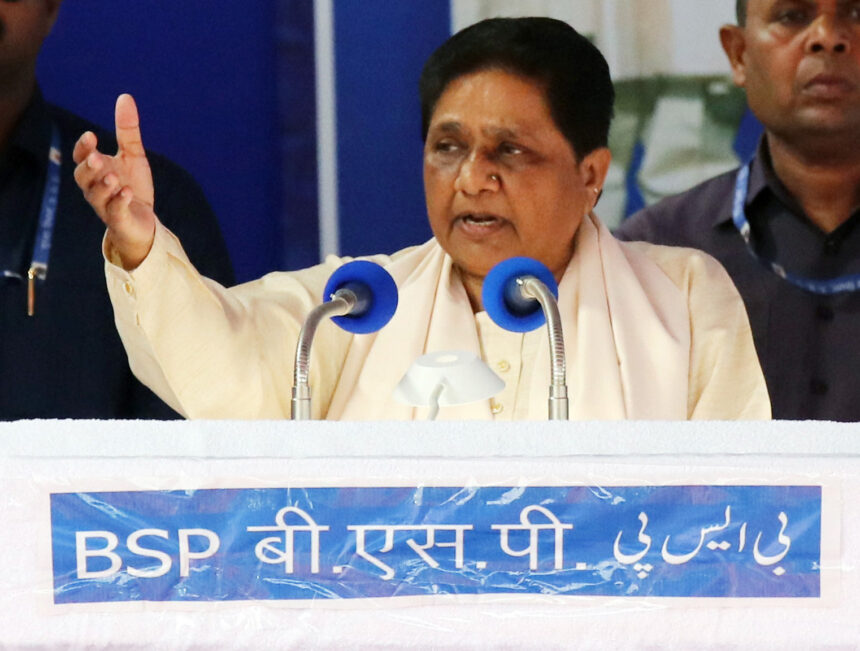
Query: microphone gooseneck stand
x=520 y=294
x=360 y=297
x=557 y=403
x=342 y=302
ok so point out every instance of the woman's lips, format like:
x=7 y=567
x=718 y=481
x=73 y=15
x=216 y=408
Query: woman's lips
x=479 y=225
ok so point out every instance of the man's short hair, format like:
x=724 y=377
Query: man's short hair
x=572 y=72
x=741 y=11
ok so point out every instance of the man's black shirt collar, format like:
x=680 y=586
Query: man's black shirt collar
x=765 y=186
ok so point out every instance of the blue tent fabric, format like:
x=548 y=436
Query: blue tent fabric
x=296 y=84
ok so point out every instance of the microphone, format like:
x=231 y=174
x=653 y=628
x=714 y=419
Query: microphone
x=520 y=294
x=360 y=297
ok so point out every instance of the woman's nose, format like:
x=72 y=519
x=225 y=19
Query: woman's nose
x=477 y=174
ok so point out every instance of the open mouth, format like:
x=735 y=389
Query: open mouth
x=479 y=220
x=479 y=226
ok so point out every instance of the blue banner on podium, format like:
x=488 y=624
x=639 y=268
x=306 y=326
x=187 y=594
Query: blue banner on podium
x=338 y=543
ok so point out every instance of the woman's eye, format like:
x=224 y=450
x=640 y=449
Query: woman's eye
x=510 y=149
x=446 y=146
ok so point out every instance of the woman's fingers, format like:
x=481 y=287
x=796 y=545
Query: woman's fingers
x=128 y=127
x=89 y=170
x=101 y=192
x=85 y=145
x=117 y=207
x=119 y=188
x=95 y=176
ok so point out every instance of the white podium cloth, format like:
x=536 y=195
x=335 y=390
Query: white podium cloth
x=40 y=457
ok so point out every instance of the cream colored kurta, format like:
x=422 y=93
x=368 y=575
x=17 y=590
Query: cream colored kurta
x=650 y=332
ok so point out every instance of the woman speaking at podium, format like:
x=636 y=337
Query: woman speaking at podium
x=515 y=116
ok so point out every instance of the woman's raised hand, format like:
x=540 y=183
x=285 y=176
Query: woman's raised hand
x=119 y=188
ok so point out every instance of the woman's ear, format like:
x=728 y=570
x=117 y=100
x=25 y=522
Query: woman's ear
x=594 y=167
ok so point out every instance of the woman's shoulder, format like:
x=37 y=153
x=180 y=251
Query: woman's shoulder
x=726 y=381
x=689 y=269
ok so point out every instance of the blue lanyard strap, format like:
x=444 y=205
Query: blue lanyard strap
x=48 y=211
x=839 y=285
x=47 y=218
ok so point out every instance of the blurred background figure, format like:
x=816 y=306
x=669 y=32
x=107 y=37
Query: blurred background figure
x=59 y=352
x=785 y=225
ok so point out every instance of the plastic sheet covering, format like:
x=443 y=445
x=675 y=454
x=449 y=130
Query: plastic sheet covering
x=433 y=535
x=352 y=543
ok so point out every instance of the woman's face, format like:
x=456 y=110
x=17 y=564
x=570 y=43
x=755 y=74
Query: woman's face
x=500 y=178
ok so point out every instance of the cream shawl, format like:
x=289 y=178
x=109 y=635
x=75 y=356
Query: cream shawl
x=626 y=330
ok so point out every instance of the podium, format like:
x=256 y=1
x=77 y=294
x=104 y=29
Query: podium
x=238 y=534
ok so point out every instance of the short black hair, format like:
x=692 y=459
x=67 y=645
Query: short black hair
x=741 y=12
x=572 y=71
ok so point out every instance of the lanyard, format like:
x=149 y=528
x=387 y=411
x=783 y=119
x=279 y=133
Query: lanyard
x=828 y=287
x=47 y=217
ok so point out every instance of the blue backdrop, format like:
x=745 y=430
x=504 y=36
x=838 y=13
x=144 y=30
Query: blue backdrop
x=381 y=47
x=202 y=72
x=227 y=90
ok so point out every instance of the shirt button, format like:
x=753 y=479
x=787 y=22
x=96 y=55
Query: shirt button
x=504 y=366
x=818 y=387
x=128 y=288
x=496 y=407
x=824 y=312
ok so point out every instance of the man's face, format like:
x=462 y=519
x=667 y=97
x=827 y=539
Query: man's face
x=24 y=24
x=799 y=61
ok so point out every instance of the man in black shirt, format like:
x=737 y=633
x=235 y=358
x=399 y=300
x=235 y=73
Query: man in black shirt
x=60 y=355
x=799 y=276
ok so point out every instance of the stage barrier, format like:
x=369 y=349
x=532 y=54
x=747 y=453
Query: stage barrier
x=237 y=534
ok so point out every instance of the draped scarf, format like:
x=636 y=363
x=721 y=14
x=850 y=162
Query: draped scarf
x=626 y=332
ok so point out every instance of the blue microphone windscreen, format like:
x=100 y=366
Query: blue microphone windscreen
x=503 y=301
x=376 y=292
